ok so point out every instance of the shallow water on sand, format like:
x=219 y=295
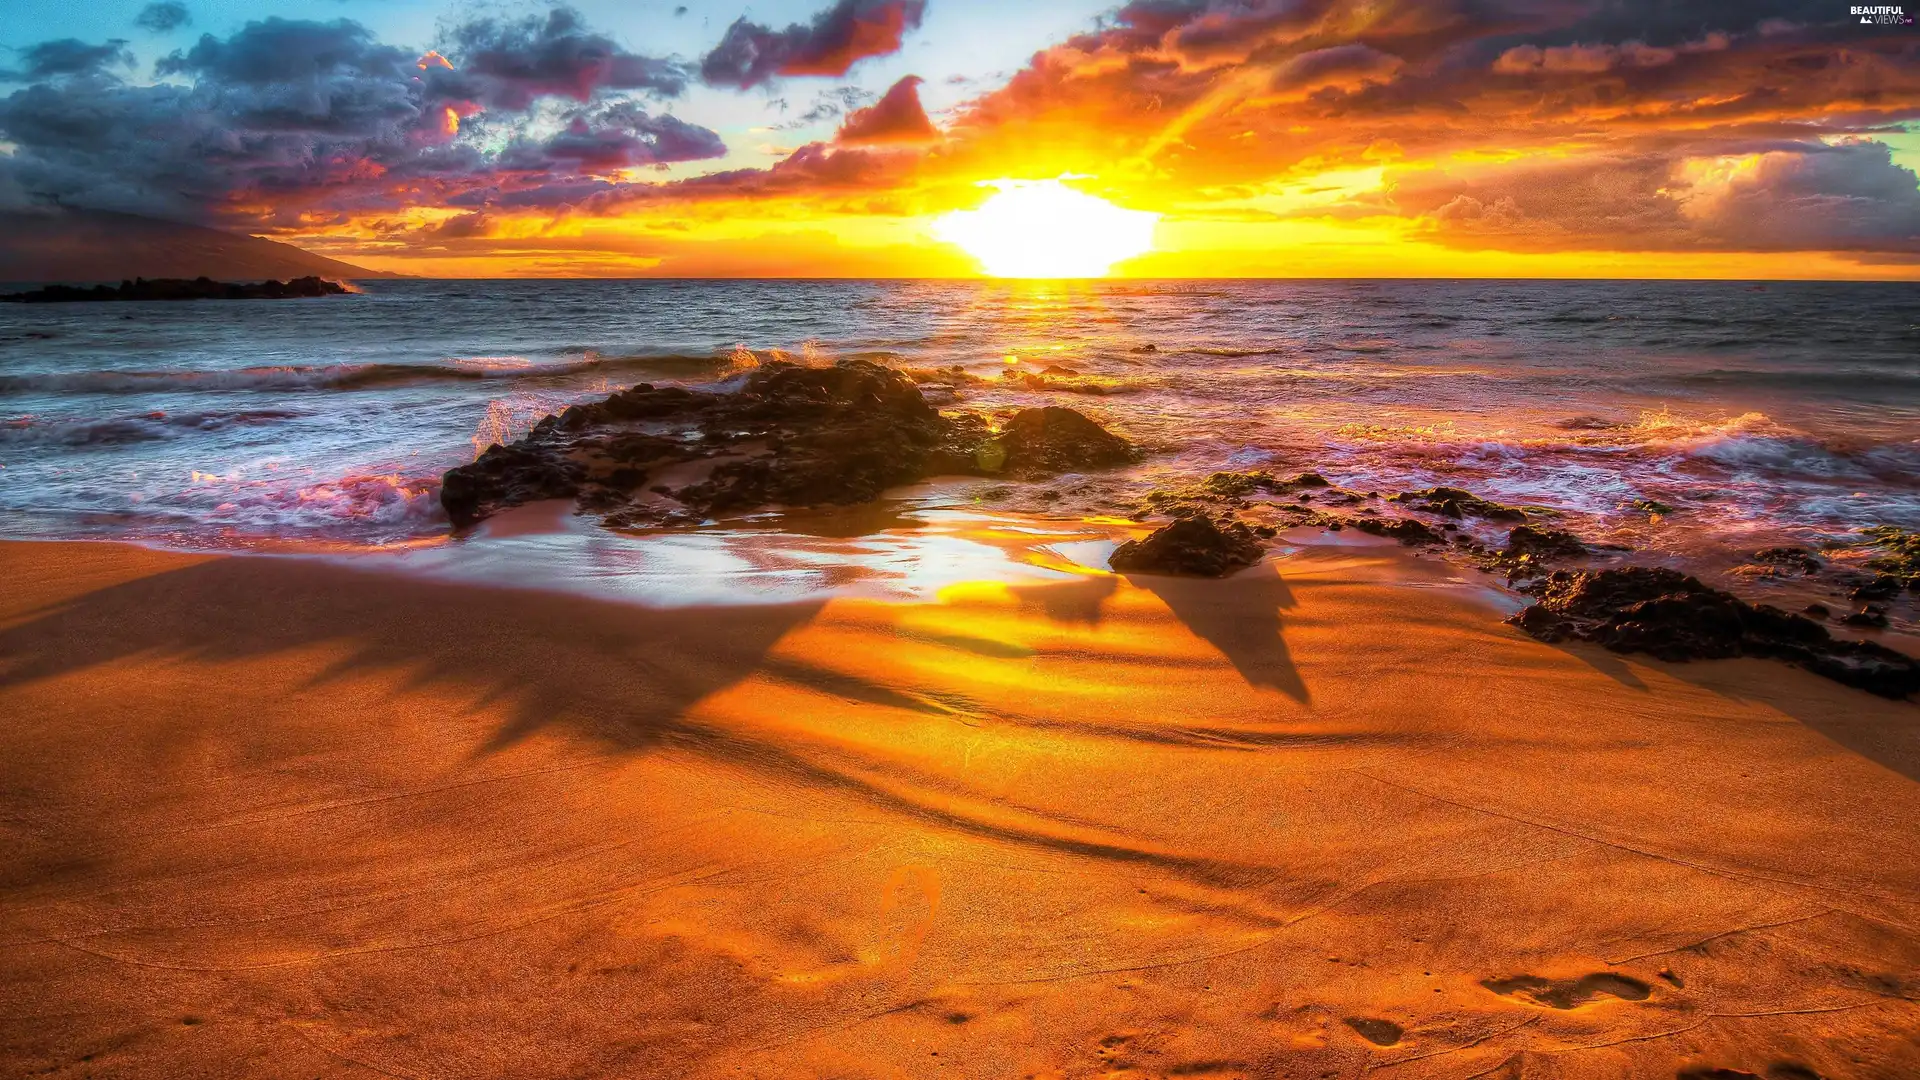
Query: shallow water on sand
x=1778 y=413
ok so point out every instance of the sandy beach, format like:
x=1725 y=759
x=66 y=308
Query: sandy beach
x=269 y=816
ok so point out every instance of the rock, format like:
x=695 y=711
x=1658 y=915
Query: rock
x=1405 y=530
x=508 y=476
x=1652 y=506
x=1232 y=485
x=1674 y=617
x=1193 y=546
x=791 y=435
x=1818 y=611
x=1538 y=544
x=1149 y=347
x=200 y=288
x=1868 y=618
x=1053 y=440
x=1882 y=587
x=1303 y=480
x=1456 y=502
x=1791 y=558
x=1902 y=553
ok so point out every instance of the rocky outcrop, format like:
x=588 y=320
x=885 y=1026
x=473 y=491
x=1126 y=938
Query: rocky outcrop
x=1456 y=502
x=1194 y=546
x=181 y=289
x=1406 y=530
x=1535 y=544
x=790 y=435
x=1672 y=616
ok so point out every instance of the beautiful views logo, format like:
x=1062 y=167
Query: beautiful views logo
x=1882 y=16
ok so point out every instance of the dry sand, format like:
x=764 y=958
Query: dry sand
x=268 y=817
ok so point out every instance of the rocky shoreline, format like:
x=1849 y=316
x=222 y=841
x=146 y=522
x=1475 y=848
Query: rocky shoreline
x=793 y=435
x=201 y=288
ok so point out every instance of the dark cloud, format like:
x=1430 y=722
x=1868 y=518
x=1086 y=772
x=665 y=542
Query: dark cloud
x=621 y=136
x=68 y=58
x=507 y=63
x=293 y=120
x=896 y=119
x=280 y=51
x=163 y=17
x=751 y=54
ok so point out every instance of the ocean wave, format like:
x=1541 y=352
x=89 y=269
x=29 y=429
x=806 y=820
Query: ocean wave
x=147 y=427
x=380 y=503
x=347 y=376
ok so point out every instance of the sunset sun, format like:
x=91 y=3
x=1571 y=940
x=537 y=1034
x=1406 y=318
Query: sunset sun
x=1045 y=229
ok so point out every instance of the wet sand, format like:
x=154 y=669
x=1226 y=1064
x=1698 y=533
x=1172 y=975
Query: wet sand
x=291 y=817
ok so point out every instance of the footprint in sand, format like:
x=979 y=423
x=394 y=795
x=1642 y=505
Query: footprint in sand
x=1568 y=993
x=1377 y=1032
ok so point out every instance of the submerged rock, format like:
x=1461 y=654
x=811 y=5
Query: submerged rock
x=1673 y=616
x=1901 y=558
x=1789 y=558
x=791 y=435
x=1194 y=546
x=1405 y=530
x=1536 y=544
x=1456 y=502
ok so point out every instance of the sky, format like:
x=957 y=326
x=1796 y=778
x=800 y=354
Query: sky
x=813 y=138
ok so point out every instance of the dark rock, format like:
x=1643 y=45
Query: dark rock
x=1883 y=587
x=791 y=435
x=1791 y=558
x=1902 y=553
x=1869 y=617
x=1652 y=506
x=1818 y=611
x=1674 y=617
x=1194 y=546
x=1405 y=530
x=1303 y=480
x=508 y=476
x=1530 y=542
x=1232 y=485
x=1149 y=347
x=1054 y=439
x=200 y=288
x=1456 y=502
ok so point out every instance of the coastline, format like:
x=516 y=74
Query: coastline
x=1327 y=817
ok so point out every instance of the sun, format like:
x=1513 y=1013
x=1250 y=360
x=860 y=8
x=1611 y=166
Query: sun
x=1045 y=229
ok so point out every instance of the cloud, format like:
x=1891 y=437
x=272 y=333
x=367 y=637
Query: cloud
x=750 y=54
x=620 y=136
x=295 y=120
x=896 y=119
x=68 y=58
x=1850 y=196
x=509 y=63
x=163 y=17
x=1847 y=197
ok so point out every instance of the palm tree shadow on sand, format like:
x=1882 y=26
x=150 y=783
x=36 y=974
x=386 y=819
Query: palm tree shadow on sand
x=1240 y=616
x=626 y=676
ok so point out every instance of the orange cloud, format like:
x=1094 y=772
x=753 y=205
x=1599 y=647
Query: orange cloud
x=896 y=119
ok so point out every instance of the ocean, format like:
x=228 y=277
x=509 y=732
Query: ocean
x=1693 y=421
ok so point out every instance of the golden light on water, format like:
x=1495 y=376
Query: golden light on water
x=1045 y=229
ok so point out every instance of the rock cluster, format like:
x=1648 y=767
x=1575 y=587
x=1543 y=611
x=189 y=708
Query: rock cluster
x=200 y=288
x=1673 y=616
x=790 y=435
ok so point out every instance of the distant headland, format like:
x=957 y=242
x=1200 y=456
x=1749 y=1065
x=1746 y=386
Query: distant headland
x=180 y=289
